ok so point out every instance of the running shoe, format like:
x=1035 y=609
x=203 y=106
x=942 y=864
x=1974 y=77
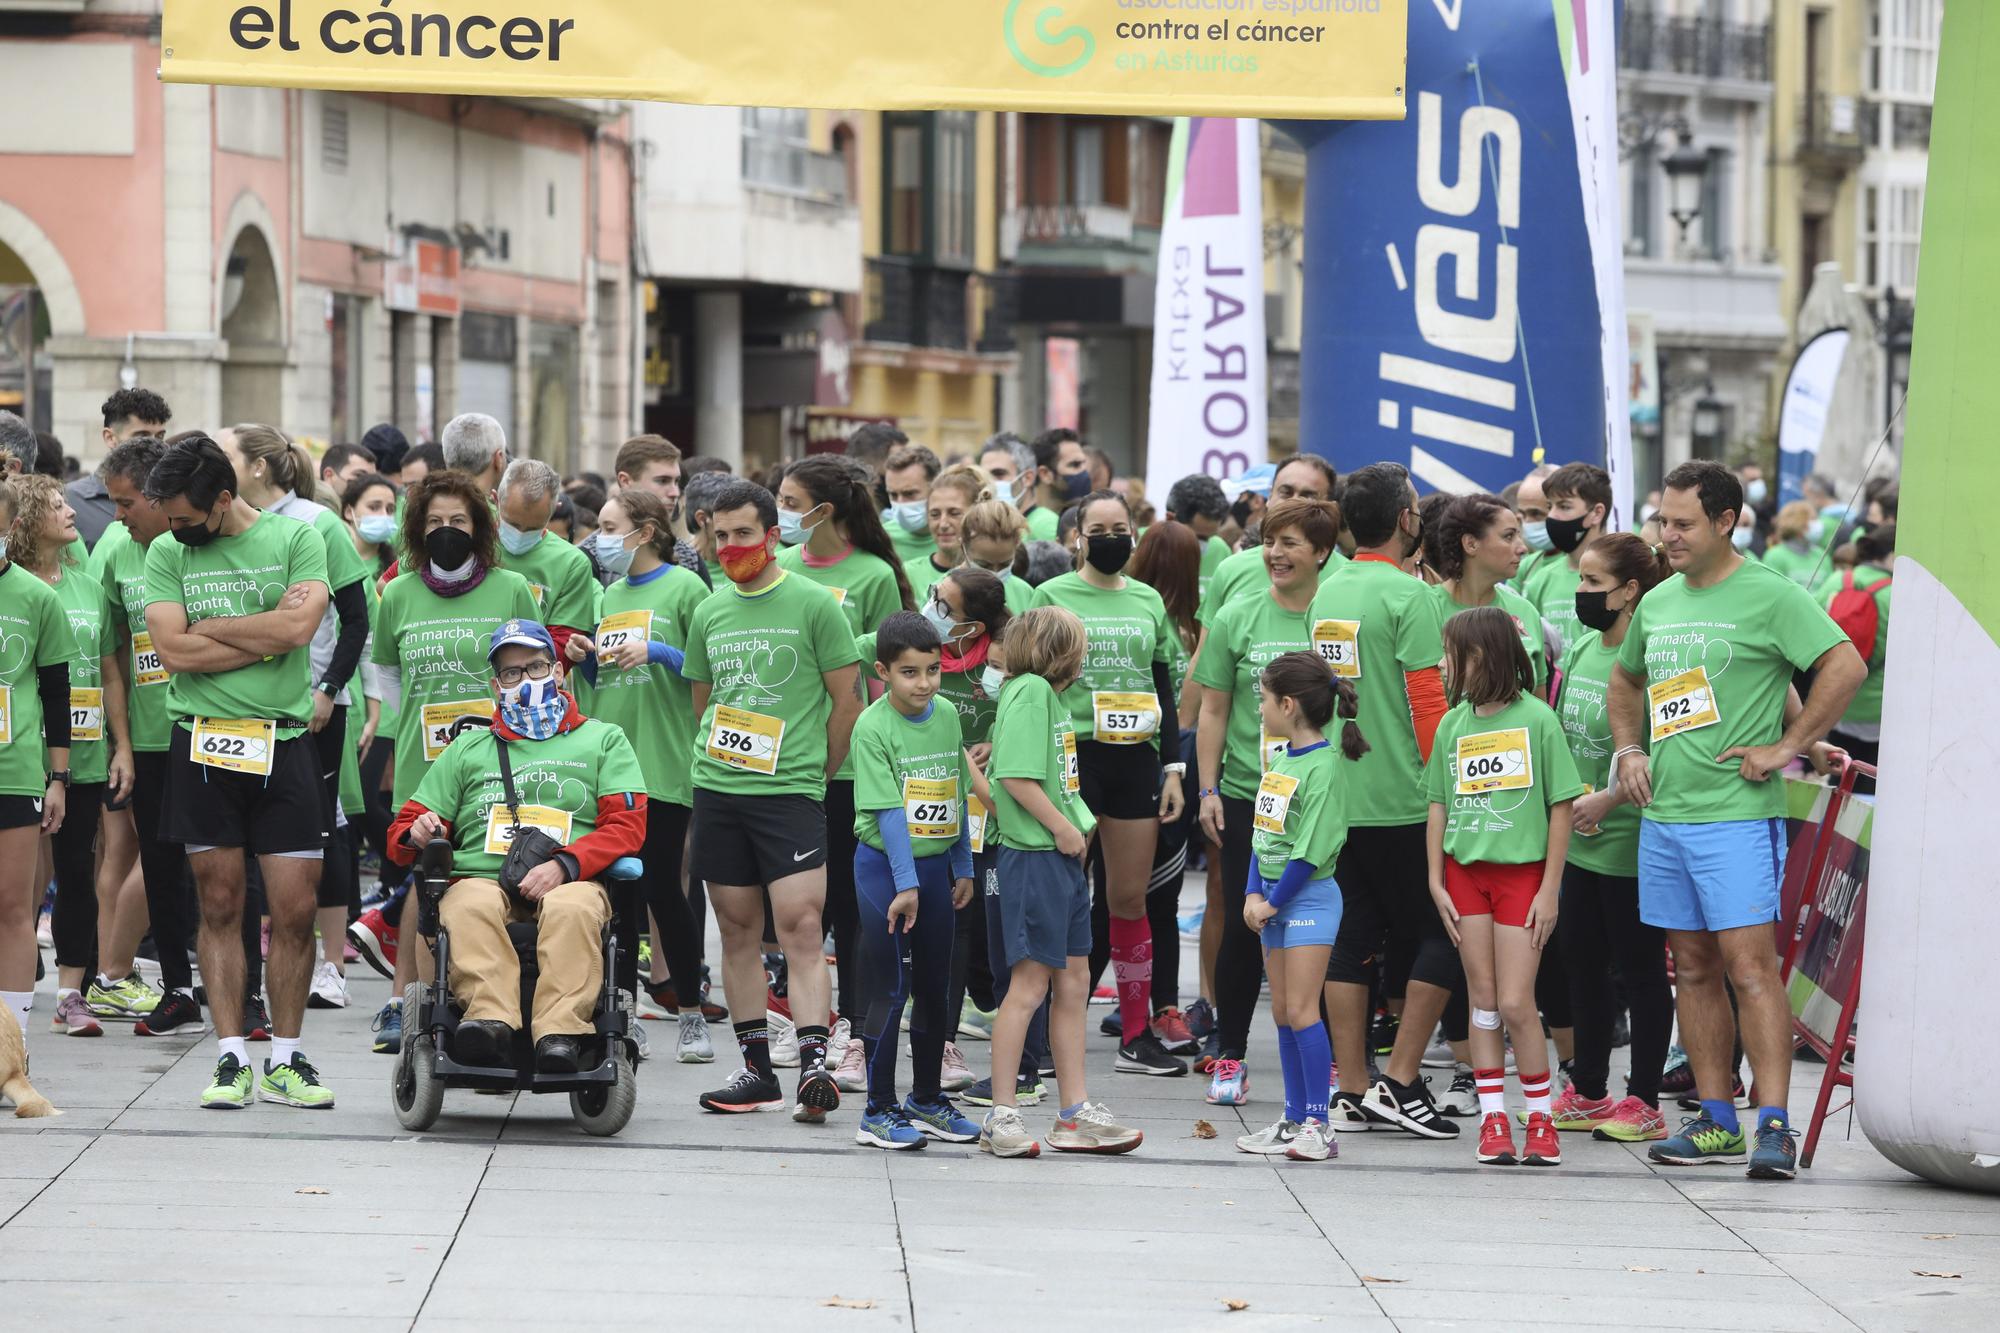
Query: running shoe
x=1542 y=1147
x=1111 y=1025
x=121 y=1001
x=230 y=1088
x=1028 y=1091
x=1677 y=1076
x=888 y=1128
x=747 y=1090
x=1201 y=1019
x=694 y=1046
x=1438 y=1055
x=1105 y=994
x=818 y=1094
x=1575 y=1111
x=176 y=1014
x=1345 y=1113
x=1776 y=1156
x=852 y=1073
x=1092 y=1130
x=1145 y=1055
x=73 y=1018
x=1003 y=1134
x=45 y=930
x=294 y=1083
x=256 y=1023
x=784 y=1039
x=1408 y=1107
x=389 y=1028
x=1632 y=1121
x=1700 y=1142
x=1171 y=1027
x=1461 y=1099
x=1737 y=1093
x=974 y=1023
x=642 y=1045
x=1211 y=1051
x=1382 y=1034
x=1228 y=1084
x=837 y=1038
x=956 y=1075
x=1313 y=1144
x=375 y=938
x=329 y=988
x=940 y=1120
x=663 y=994
x=1496 y=1140
x=1270 y=1141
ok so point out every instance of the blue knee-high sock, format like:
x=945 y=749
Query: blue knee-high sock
x=1295 y=1083
x=1315 y=1052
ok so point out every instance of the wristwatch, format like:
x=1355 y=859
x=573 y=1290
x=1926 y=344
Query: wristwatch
x=1201 y=792
x=329 y=689
x=59 y=775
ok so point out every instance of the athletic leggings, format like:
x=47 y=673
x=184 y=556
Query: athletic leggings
x=839 y=915
x=969 y=970
x=377 y=815
x=163 y=865
x=986 y=876
x=337 y=872
x=1552 y=988
x=895 y=969
x=75 y=847
x=1599 y=925
x=666 y=838
x=1239 y=962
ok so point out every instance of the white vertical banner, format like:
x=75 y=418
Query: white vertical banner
x=1591 y=63
x=1211 y=385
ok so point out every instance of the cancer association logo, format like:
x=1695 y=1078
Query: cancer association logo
x=1059 y=41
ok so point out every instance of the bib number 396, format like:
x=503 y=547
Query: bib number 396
x=235 y=745
x=746 y=740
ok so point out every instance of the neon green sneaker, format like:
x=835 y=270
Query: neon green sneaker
x=127 y=999
x=295 y=1083
x=231 y=1088
x=1700 y=1142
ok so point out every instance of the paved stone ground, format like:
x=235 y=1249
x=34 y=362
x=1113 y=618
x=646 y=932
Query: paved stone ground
x=506 y=1215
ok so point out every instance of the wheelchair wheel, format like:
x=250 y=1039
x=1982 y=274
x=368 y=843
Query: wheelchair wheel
x=604 y=1110
x=415 y=1085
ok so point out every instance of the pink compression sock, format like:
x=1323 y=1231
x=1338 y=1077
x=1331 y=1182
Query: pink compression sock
x=1132 y=964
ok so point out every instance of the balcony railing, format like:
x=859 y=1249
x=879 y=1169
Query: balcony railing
x=1833 y=129
x=1064 y=225
x=916 y=305
x=1698 y=47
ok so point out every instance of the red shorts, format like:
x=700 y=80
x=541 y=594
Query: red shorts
x=1504 y=893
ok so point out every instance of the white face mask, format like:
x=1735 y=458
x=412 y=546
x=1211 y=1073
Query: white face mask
x=912 y=517
x=991 y=679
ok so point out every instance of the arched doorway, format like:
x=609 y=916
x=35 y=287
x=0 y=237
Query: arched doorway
x=26 y=373
x=253 y=323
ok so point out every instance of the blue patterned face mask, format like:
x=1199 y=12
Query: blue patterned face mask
x=534 y=708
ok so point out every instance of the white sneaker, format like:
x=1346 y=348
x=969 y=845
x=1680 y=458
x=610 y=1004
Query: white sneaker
x=1270 y=1142
x=642 y=1044
x=1461 y=1100
x=837 y=1040
x=329 y=988
x=956 y=1075
x=851 y=1075
x=784 y=1040
x=1438 y=1055
x=694 y=1047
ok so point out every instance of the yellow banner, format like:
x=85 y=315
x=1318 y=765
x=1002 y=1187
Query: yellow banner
x=1323 y=59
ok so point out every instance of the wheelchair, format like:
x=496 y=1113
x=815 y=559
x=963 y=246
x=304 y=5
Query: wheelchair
x=602 y=1095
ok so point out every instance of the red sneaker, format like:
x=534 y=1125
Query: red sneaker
x=1496 y=1139
x=375 y=939
x=1542 y=1148
x=1170 y=1026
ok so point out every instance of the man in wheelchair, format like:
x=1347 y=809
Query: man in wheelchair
x=574 y=779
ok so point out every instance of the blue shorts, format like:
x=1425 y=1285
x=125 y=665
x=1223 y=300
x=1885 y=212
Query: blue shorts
x=1044 y=907
x=1710 y=876
x=1311 y=917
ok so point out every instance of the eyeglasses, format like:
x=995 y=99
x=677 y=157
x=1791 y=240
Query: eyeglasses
x=512 y=676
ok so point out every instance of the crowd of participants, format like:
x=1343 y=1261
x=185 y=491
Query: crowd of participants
x=1463 y=772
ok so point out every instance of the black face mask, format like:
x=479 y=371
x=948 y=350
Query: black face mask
x=197 y=534
x=1108 y=555
x=1566 y=533
x=447 y=547
x=1591 y=608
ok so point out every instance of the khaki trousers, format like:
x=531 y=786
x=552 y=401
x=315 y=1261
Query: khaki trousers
x=486 y=972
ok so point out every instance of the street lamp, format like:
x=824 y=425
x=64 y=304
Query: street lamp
x=1687 y=170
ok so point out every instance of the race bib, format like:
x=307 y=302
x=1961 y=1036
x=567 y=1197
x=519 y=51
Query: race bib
x=1270 y=749
x=500 y=823
x=1494 y=761
x=1274 y=802
x=1072 y=783
x=1682 y=703
x=6 y=715
x=1125 y=719
x=443 y=722
x=1338 y=643
x=930 y=807
x=235 y=745
x=146 y=668
x=975 y=814
x=86 y=715
x=615 y=632
x=746 y=740
x=541 y=593
x=839 y=595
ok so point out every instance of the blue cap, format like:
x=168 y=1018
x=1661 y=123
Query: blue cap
x=1257 y=481
x=526 y=633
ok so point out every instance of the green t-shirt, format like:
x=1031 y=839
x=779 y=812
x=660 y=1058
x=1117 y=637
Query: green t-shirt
x=1396 y=625
x=562 y=581
x=1126 y=631
x=1020 y=594
x=120 y=565
x=1531 y=564
x=1867 y=706
x=1243 y=573
x=1804 y=564
x=1034 y=739
x=437 y=645
x=1243 y=639
x=923 y=575
x=916 y=767
x=651 y=703
x=1043 y=523
x=765 y=654
x=1527 y=623
x=911 y=547
x=1496 y=777
x=1301 y=812
x=90 y=620
x=1716 y=662
x=1553 y=593
x=1214 y=551
x=559 y=782
x=1585 y=710
x=865 y=587
x=34 y=633
x=243 y=575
